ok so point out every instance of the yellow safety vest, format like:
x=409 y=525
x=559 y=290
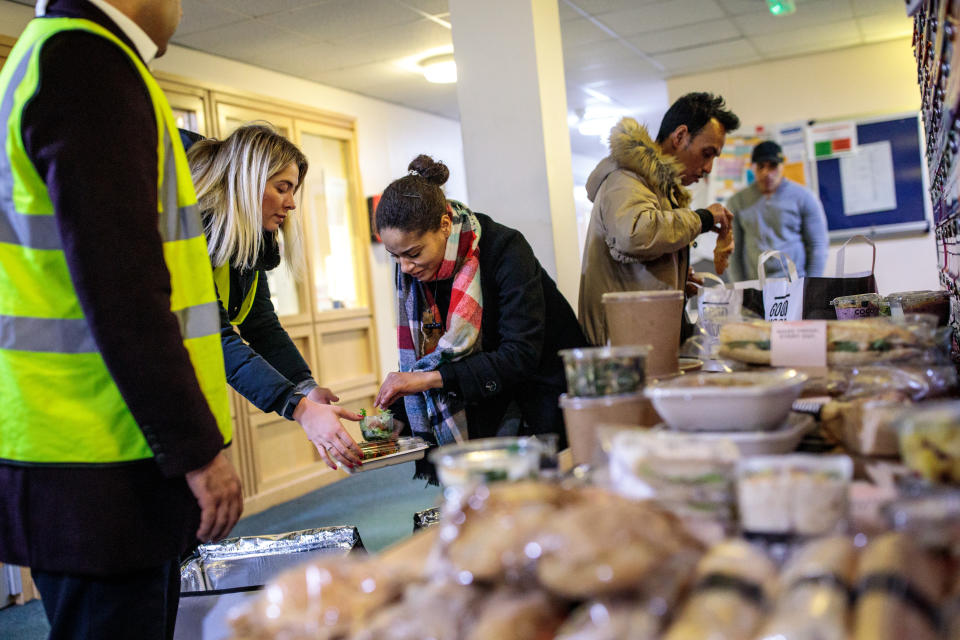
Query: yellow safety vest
x=59 y=403
x=221 y=276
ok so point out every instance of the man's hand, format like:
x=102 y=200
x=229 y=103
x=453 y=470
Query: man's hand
x=722 y=218
x=693 y=283
x=324 y=430
x=322 y=395
x=216 y=487
x=399 y=384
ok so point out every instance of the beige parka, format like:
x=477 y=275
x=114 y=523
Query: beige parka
x=640 y=227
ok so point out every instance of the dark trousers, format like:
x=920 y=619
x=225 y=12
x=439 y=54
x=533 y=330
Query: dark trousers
x=140 y=604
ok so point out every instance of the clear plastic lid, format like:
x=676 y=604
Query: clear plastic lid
x=860 y=300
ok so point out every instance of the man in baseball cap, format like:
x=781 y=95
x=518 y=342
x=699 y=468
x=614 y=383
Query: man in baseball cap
x=776 y=213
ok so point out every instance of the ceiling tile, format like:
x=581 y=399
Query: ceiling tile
x=433 y=7
x=607 y=78
x=362 y=76
x=604 y=6
x=597 y=52
x=687 y=36
x=241 y=40
x=712 y=56
x=397 y=42
x=813 y=39
x=741 y=7
x=884 y=26
x=256 y=8
x=582 y=31
x=344 y=18
x=566 y=13
x=201 y=16
x=662 y=15
x=871 y=7
x=808 y=15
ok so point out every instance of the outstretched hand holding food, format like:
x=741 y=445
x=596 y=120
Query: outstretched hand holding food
x=323 y=427
x=404 y=383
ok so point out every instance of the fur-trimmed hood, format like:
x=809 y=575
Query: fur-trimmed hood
x=632 y=148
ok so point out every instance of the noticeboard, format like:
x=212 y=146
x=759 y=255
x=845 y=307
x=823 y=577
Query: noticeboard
x=882 y=188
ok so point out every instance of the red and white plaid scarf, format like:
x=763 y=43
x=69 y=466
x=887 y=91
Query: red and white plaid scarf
x=435 y=411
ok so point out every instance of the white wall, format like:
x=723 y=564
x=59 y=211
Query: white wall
x=388 y=137
x=860 y=81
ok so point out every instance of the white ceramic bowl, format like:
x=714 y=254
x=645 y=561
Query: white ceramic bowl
x=739 y=401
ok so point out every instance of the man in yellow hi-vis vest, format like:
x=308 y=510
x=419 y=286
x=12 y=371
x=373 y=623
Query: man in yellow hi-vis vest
x=112 y=388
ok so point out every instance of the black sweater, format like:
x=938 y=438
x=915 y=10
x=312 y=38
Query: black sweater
x=525 y=322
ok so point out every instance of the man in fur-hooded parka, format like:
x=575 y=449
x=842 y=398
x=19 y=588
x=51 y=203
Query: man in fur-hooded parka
x=641 y=226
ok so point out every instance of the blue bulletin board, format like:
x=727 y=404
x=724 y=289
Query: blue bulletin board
x=912 y=212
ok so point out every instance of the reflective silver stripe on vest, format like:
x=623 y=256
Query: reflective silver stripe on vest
x=72 y=335
x=200 y=320
x=186 y=223
x=33 y=231
x=47 y=335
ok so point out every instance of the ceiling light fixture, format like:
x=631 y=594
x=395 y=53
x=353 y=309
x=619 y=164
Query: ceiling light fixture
x=440 y=69
x=781 y=7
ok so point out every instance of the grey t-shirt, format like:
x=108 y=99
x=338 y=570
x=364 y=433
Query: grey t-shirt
x=790 y=220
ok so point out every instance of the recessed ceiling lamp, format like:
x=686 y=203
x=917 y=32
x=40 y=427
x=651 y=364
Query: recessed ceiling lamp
x=781 y=7
x=439 y=69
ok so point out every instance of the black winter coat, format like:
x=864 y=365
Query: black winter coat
x=268 y=367
x=525 y=322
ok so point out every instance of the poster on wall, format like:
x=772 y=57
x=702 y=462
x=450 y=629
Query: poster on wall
x=831 y=139
x=867 y=180
x=731 y=169
x=792 y=139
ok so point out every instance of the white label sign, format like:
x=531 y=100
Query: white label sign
x=798 y=344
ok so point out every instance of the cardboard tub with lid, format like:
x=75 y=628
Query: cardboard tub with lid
x=647 y=317
x=583 y=417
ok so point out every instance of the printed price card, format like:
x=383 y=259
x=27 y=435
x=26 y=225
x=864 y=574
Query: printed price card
x=799 y=344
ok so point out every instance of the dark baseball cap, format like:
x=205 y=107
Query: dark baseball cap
x=767 y=151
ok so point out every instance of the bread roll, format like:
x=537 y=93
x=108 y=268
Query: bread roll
x=735 y=583
x=814 y=598
x=899 y=588
x=750 y=342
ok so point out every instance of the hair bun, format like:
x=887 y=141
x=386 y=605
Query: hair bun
x=429 y=169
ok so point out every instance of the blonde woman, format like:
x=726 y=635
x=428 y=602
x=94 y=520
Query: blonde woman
x=246 y=186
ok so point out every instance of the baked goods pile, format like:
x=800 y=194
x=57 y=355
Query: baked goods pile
x=513 y=560
x=532 y=560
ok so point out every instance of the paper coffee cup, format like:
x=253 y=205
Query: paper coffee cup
x=647 y=317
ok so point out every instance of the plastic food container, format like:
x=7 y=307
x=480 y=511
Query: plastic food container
x=487 y=460
x=798 y=494
x=933 y=302
x=377 y=428
x=932 y=519
x=865 y=305
x=583 y=416
x=930 y=441
x=739 y=401
x=602 y=371
x=691 y=475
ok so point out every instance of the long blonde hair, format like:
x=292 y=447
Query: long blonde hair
x=230 y=177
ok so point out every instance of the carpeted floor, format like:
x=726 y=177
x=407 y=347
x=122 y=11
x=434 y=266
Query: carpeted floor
x=380 y=503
